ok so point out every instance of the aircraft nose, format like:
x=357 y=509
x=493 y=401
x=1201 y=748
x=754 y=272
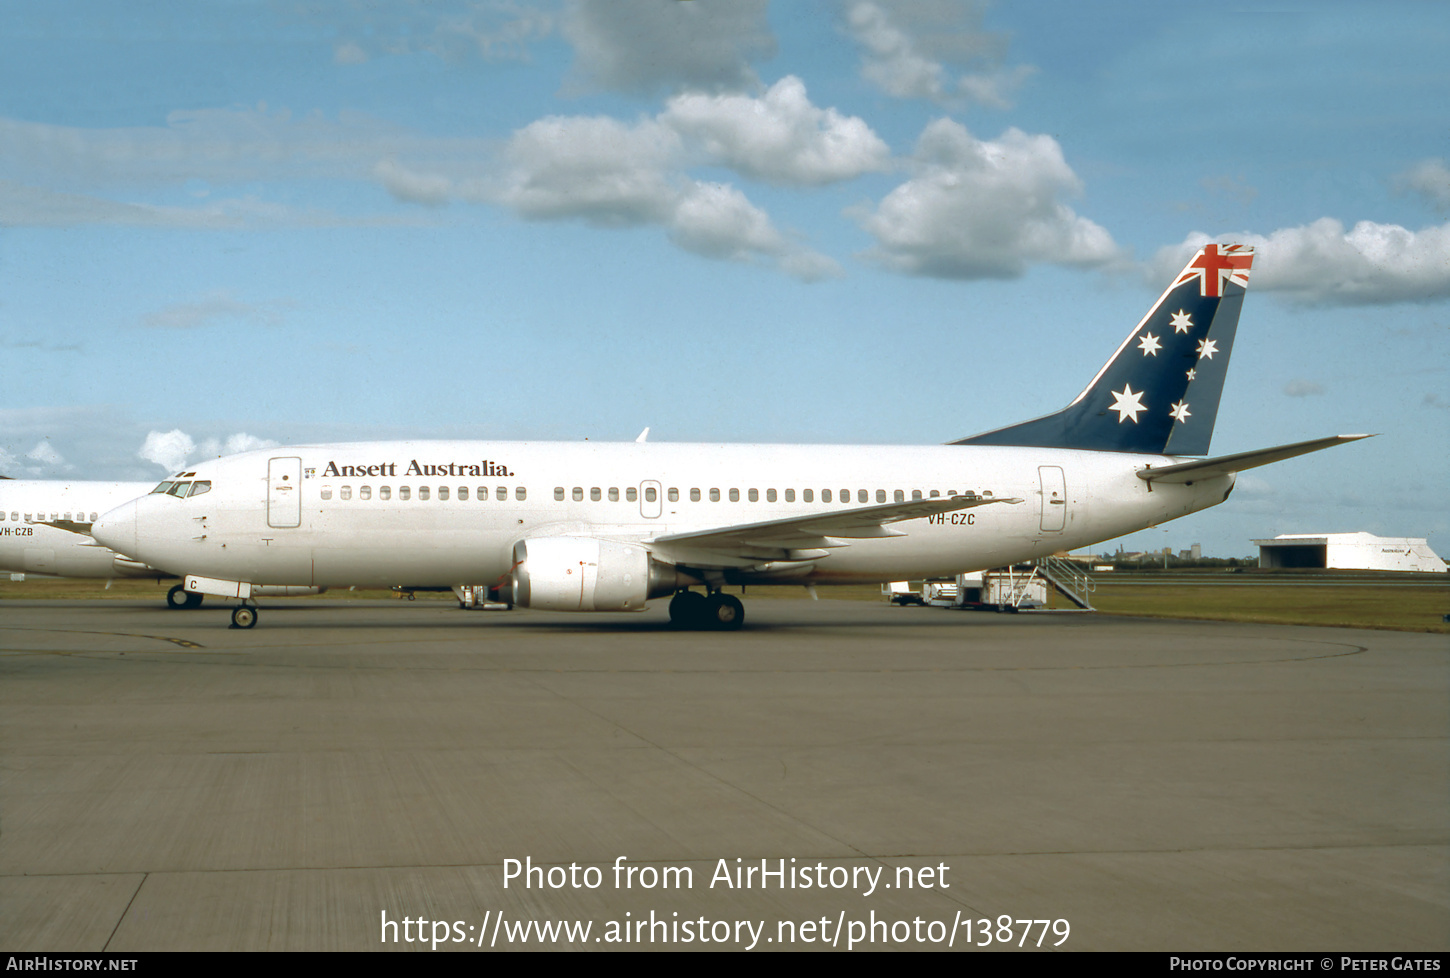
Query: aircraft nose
x=117 y=529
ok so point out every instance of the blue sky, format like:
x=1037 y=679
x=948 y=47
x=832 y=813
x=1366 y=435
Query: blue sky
x=225 y=225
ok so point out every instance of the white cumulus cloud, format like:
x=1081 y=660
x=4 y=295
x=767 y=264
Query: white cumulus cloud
x=168 y=449
x=984 y=209
x=1323 y=264
x=779 y=137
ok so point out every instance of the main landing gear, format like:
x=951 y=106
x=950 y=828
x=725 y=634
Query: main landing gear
x=179 y=597
x=244 y=616
x=719 y=612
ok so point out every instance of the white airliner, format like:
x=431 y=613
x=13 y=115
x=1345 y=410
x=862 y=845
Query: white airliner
x=45 y=531
x=45 y=528
x=607 y=527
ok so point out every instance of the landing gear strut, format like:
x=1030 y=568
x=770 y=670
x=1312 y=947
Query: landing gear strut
x=718 y=612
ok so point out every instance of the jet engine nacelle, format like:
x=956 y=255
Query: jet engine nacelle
x=586 y=574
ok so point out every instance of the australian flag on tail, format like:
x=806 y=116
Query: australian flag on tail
x=1159 y=392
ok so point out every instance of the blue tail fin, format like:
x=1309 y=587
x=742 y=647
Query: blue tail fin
x=1159 y=393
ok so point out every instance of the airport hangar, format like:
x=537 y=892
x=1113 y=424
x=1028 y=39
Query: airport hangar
x=1349 y=551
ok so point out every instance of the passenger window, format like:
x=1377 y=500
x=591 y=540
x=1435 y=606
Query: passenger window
x=197 y=488
x=770 y=495
x=422 y=492
x=404 y=493
x=614 y=494
x=482 y=494
x=442 y=493
x=94 y=516
x=807 y=496
x=754 y=495
x=650 y=495
x=825 y=495
x=674 y=495
x=881 y=495
x=365 y=492
x=935 y=493
x=558 y=494
x=790 y=495
x=345 y=492
x=521 y=494
x=845 y=495
x=694 y=495
x=326 y=492
x=463 y=493
x=501 y=493
x=631 y=494
x=735 y=495
x=67 y=517
x=714 y=495
x=915 y=495
x=862 y=496
x=384 y=492
x=900 y=496
x=578 y=494
x=596 y=494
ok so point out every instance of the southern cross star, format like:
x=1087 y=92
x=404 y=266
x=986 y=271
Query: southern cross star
x=1206 y=349
x=1181 y=323
x=1149 y=344
x=1180 y=412
x=1127 y=403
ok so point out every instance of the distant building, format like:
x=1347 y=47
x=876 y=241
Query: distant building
x=1354 y=551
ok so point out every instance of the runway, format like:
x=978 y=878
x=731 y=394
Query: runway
x=169 y=783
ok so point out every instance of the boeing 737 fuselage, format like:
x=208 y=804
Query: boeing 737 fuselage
x=607 y=527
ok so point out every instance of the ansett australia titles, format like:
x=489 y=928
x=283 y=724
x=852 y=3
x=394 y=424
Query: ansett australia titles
x=487 y=467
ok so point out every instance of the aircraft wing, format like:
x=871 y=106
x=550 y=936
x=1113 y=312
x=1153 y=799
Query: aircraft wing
x=805 y=537
x=1209 y=468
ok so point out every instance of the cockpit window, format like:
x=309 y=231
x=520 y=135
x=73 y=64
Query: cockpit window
x=163 y=487
x=197 y=488
x=178 y=489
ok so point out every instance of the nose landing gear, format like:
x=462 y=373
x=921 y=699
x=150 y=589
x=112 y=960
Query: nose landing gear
x=244 y=616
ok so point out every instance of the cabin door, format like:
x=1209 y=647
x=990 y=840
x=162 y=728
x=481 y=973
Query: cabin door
x=284 y=492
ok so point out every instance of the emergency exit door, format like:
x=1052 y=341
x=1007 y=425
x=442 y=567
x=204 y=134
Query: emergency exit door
x=1054 y=498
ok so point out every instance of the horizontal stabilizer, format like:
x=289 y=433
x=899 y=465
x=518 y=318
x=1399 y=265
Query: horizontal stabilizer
x=1209 y=468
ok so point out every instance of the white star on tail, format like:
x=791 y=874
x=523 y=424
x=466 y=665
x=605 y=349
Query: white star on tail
x=1149 y=344
x=1192 y=373
x=1206 y=349
x=1181 y=323
x=1180 y=412
x=1127 y=403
